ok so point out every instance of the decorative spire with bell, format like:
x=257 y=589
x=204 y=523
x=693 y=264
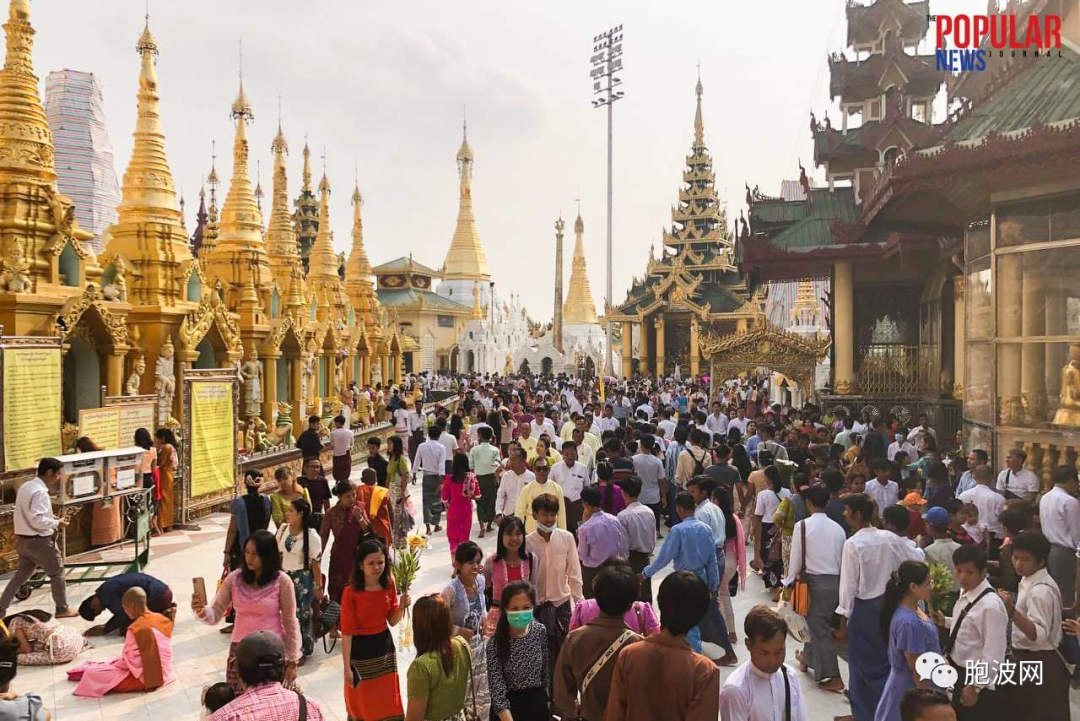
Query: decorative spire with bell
x=465 y=260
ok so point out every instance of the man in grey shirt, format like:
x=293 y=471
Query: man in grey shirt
x=649 y=469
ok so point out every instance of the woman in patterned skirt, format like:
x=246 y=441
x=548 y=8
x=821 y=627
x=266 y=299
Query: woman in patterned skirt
x=369 y=607
x=301 y=550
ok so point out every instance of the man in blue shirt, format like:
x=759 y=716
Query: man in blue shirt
x=110 y=594
x=690 y=547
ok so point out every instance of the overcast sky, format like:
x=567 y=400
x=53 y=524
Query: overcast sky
x=381 y=85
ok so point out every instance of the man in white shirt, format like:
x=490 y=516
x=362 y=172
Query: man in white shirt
x=989 y=502
x=448 y=442
x=541 y=425
x=740 y=421
x=717 y=422
x=430 y=466
x=1059 y=517
x=481 y=422
x=341 y=441
x=646 y=409
x=881 y=490
x=900 y=445
x=511 y=482
x=1035 y=613
x=35 y=526
x=823 y=551
x=1016 y=481
x=976 y=637
x=762 y=688
x=666 y=426
x=557 y=576
x=572 y=476
x=649 y=469
x=608 y=422
x=915 y=437
x=586 y=454
x=869 y=557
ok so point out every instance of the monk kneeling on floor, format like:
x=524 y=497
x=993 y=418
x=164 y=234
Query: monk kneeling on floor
x=146 y=661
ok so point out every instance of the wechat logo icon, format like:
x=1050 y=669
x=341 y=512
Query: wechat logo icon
x=931 y=666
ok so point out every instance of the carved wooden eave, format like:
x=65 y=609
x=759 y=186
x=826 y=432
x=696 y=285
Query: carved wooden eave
x=281 y=330
x=210 y=312
x=67 y=318
x=764 y=344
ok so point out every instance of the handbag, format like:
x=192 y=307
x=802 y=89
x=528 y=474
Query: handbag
x=800 y=591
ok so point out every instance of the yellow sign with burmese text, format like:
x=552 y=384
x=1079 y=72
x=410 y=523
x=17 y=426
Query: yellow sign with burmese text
x=213 y=438
x=31 y=406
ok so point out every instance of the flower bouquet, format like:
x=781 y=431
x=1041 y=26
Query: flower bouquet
x=941 y=580
x=405 y=568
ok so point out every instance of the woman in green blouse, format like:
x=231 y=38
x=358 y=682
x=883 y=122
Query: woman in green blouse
x=437 y=679
x=287 y=492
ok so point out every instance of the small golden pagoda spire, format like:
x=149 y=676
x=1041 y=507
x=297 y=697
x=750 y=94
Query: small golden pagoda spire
x=579 y=306
x=259 y=195
x=210 y=235
x=281 y=235
x=241 y=220
x=358 y=265
x=477 y=311
x=149 y=231
x=24 y=131
x=307 y=167
x=465 y=260
x=323 y=261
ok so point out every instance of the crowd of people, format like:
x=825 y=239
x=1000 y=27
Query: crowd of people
x=876 y=541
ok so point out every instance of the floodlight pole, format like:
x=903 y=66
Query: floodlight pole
x=606 y=61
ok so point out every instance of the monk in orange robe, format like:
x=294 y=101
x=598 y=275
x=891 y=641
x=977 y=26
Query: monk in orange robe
x=375 y=501
x=146 y=661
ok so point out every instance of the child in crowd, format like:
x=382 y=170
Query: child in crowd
x=969 y=515
x=217 y=696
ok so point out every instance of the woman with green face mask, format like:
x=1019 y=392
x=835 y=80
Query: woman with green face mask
x=517 y=658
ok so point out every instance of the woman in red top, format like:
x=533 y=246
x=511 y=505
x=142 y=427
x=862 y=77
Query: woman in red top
x=369 y=606
x=458 y=491
x=348 y=522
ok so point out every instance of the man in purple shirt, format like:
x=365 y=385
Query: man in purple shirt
x=600 y=536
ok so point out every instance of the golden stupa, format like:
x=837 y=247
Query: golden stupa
x=579 y=306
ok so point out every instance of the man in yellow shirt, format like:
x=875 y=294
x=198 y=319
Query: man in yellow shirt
x=536 y=488
x=526 y=441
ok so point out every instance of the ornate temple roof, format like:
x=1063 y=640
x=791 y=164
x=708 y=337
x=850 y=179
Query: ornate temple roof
x=418 y=299
x=306 y=217
x=404 y=264
x=465 y=260
x=700 y=276
x=579 y=306
x=864 y=22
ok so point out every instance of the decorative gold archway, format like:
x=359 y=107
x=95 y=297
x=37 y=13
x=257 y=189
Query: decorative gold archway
x=211 y=311
x=763 y=345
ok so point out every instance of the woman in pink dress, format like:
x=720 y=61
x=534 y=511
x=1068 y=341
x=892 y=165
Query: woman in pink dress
x=458 y=492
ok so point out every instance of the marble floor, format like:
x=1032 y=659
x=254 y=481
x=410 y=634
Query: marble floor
x=200 y=651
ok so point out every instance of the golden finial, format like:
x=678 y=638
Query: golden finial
x=699 y=126
x=307 y=165
x=279 y=144
x=464 y=152
x=241 y=108
x=258 y=183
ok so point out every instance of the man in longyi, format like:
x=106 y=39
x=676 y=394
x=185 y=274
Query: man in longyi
x=144 y=664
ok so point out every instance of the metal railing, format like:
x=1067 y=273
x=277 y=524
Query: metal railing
x=889 y=368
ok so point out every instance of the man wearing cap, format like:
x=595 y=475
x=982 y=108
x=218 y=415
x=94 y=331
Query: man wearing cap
x=260 y=659
x=942 y=548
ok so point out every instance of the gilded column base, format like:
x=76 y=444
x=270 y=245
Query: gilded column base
x=1010 y=410
x=844 y=387
x=1034 y=405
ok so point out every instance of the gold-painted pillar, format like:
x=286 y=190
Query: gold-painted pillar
x=114 y=372
x=296 y=371
x=398 y=363
x=331 y=377
x=959 y=325
x=1033 y=355
x=1010 y=325
x=643 y=351
x=627 y=348
x=270 y=390
x=1057 y=354
x=695 y=351
x=384 y=367
x=842 y=328
x=660 y=346
x=186 y=361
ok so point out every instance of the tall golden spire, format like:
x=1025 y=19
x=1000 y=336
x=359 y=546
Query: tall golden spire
x=579 y=306
x=241 y=221
x=210 y=235
x=24 y=131
x=323 y=261
x=149 y=230
x=465 y=260
x=282 y=247
x=306 y=177
x=358 y=266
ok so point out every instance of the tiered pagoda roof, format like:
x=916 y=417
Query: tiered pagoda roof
x=306 y=216
x=864 y=22
x=700 y=276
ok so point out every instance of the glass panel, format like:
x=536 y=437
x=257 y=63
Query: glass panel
x=979 y=321
x=1065 y=217
x=1035 y=381
x=977 y=384
x=1037 y=293
x=977 y=239
x=1022 y=223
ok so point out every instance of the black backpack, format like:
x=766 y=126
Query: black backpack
x=699 y=463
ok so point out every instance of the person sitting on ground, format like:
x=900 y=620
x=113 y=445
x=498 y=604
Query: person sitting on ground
x=217 y=695
x=260 y=660
x=110 y=595
x=25 y=707
x=144 y=664
x=43 y=640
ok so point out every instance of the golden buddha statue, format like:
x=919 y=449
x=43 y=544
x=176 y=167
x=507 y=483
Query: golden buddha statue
x=1068 y=413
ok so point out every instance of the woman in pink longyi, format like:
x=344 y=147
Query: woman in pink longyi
x=459 y=489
